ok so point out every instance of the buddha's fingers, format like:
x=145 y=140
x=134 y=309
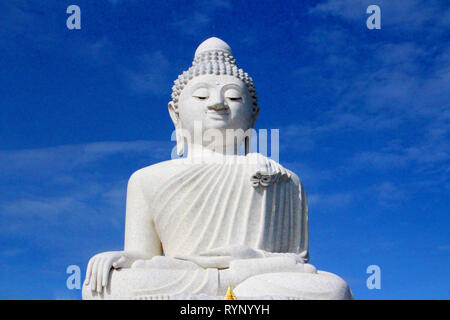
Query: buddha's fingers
x=88 y=272
x=100 y=274
x=120 y=263
x=94 y=275
x=106 y=270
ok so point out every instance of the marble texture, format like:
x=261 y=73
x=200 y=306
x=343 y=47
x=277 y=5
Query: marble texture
x=220 y=218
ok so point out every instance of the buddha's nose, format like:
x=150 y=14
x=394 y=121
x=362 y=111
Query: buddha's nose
x=217 y=101
x=218 y=106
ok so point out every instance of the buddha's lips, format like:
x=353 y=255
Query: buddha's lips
x=218 y=113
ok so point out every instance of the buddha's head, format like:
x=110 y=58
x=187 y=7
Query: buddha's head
x=214 y=93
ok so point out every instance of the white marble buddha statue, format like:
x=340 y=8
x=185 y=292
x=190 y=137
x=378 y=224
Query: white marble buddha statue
x=215 y=218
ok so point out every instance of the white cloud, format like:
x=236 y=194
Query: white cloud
x=386 y=96
x=408 y=14
x=389 y=194
x=67 y=157
x=329 y=201
x=399 y=84
x=71 y=184
x=74 y=193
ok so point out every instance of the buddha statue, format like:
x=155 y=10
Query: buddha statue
x=217 y=217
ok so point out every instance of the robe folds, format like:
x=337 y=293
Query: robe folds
x=183 y=208
x=201 y=206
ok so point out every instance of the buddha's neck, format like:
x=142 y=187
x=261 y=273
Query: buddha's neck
x=197 y=151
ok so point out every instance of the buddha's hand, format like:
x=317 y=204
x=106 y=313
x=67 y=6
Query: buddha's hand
x=221 y=258
x=97 y=274
x=269 y=171
x=297 y=257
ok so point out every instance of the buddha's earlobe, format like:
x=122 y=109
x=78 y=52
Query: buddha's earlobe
x=174 y=115
x=180 y=142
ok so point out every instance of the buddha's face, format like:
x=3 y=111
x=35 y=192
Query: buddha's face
x=217 y=102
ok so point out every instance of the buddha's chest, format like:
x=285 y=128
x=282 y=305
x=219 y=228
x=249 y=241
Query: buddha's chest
x=217 y=205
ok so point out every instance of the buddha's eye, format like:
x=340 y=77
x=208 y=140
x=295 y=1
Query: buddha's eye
x=233 y=95
x=201 y=94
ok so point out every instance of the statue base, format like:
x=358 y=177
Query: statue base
x=267 y=286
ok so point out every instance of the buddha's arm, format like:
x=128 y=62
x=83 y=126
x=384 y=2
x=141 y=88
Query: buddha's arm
x=141 y=240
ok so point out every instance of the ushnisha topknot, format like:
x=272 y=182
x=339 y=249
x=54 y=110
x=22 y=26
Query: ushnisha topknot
x=213 y=56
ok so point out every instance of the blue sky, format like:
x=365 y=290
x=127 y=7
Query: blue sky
x=363 y=118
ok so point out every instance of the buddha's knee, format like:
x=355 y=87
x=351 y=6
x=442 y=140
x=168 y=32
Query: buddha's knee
x=312 y=286
x=130 y=283
x=119 y=286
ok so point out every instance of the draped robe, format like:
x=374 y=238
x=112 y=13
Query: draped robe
x=191 y=207
x=201 y=206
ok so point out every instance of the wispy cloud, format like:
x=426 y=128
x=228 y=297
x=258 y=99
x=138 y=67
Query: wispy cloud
x=330 y=201
x=201 y=17
x=71 y=181
x=149 y=75
x=389 y=92
x=404 y=14
x=389 y=194
x=12 y=252
x=193 y=23
x=444 y=247
x=72 y=193
x=21 y=22
x=398 y=84
x=67 y=157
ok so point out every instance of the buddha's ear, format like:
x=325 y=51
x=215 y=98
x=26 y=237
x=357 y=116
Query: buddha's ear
x=255 y=114
x=173 y=113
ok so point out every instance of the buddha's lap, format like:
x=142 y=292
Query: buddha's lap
x=320 y=285
x=134 y=282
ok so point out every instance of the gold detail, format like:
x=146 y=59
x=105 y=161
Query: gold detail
x=230 y=295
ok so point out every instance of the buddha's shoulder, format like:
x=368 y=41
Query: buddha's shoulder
x=159 y=170
x=293 y=178
x=262 y=160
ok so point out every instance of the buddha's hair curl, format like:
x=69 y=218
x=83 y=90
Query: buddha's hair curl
x=213 y=62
